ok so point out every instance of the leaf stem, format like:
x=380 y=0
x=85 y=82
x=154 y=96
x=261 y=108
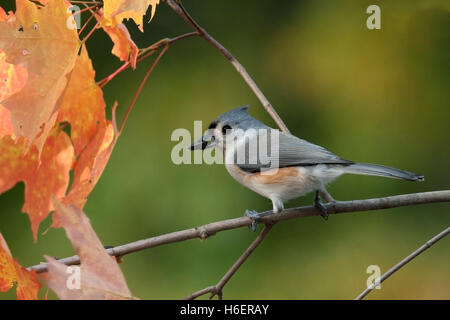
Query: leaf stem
x=87 y=2
x=85 y=24
x=85 y=9
x=141 y=86
x=90 y=33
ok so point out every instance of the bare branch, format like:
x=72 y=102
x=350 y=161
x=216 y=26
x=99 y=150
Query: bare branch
x=181 y=11
x=210 y=229
x=402 y=263
x=166 y=41
x=145 y=53
x=141 y=86
x=217 y=289
x=200 y=293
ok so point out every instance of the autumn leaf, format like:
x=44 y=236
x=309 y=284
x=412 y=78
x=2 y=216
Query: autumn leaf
x=100 y=275
x=90 y=165
x=3 y=15
x=11 y=273
x=6 y=128
x=82 y=104
x=73 y=97
x=93 y=136
x=12 y=80
x=12 y=77
x=37 y=38
x=117 y=10
x=43 y=177
x=124 y=47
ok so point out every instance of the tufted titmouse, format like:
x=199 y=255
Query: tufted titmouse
x=300 y=166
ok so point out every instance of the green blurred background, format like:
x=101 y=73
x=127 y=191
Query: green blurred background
x=380 y=96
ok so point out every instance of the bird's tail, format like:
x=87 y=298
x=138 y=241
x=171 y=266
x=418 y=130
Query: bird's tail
x=382 y=171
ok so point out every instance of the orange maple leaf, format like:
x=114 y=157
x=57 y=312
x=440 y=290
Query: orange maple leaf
x=100 y=275
x=124 y=47
x=117 y=10
x=45 y=166
x=82 y=104
x=5 y=122
x=93 y=136
x=12 y=77
x=90 y=165
x=38 y=38
x=43 y=177
x=11 y=272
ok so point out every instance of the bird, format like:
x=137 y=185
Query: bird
x=295 y=168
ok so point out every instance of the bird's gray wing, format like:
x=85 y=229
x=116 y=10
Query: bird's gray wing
x=292 y=151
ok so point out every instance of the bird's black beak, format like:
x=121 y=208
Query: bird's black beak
x=205 y=142
x=200 y=144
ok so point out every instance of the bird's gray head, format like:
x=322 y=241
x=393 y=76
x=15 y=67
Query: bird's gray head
x=225 y=124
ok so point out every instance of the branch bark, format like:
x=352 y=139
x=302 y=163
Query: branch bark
x=210 y=229
x=402 y=263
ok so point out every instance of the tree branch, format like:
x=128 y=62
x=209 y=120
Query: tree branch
x=181 y=11
x=210 y=229
x=217 y=289
x=402 y=263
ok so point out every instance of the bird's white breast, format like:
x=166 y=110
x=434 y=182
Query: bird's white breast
x=281 y=183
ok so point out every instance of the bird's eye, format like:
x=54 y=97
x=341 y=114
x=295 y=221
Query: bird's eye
x=225 y=128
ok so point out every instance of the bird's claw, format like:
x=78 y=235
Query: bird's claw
x=255 y=216
x=319 y=205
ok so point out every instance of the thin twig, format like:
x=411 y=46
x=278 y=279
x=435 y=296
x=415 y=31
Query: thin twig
x=141 y=86
x=90 y=33
x=163 y=42
x=181 y=11
x=218 y=288
x=402 y=263
x=93 y=13
x=85 y=24
x=86 y=2
x=210 y=229
x=199 y=293
x=85 y=9
x=183 y=36
x=145 y=53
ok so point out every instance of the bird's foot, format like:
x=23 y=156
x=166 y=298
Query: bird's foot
x=255 y=216
x=321 y=206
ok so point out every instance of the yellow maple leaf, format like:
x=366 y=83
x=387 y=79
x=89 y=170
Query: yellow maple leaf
x=38 y=39
x=117 y=10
